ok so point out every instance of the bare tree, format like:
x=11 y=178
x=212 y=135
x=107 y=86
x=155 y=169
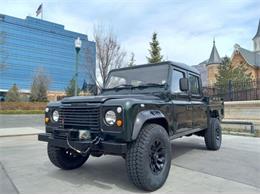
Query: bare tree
x=40 y=85
x=109 y=52
x=13 y=94
x=132 y=60
x=91 y=68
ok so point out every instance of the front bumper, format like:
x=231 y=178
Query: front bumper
x=104 y=146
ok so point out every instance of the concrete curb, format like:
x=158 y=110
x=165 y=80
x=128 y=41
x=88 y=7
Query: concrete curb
x=226 y=132
x=20 y=135
x=20 y=131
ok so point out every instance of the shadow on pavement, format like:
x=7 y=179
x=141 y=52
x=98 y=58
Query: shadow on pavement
x=104 y=173
x=100 y=173
x=180 y=147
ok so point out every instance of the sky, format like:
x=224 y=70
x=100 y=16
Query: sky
x=185 y=28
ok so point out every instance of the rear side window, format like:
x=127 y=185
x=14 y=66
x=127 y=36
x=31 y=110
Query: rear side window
x=176 y=76
x=194 y=84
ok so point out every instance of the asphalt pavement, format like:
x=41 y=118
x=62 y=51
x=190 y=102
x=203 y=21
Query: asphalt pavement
x=21 y=120
x=235 y=168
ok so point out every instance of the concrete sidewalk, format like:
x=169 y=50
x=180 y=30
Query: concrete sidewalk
x=233 y=169
x=21 y=120
x=6 y=184
x=21 y=124
x=19 y=131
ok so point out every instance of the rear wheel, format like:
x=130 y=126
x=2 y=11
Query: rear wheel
x=65 y=158
x=148 y=159
x=213 y=135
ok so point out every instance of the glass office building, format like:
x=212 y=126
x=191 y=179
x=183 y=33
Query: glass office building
x=30 y=44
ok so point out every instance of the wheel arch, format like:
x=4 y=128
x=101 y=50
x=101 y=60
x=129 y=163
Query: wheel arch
x=147 y=117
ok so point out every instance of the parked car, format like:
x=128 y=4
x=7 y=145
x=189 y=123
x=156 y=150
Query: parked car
x=140 y=110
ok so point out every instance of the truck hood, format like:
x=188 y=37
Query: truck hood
x=104 y=98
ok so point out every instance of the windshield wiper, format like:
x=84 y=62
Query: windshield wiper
x=123 y=86
x=150 y=85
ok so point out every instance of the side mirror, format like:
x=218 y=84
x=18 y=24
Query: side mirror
x=184 y=84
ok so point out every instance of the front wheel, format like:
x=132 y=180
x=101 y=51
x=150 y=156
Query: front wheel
x=148 y=159
x=213 y=135
x=65 y=158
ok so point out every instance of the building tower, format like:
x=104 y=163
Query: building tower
x=256 y=40
x=213 y=64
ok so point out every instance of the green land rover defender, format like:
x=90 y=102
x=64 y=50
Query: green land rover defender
x=139 y=111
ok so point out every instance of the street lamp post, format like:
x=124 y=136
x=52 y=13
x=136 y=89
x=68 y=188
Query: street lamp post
x=77 y=48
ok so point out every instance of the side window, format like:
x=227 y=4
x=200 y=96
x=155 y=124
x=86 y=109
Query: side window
x=176 y=76
x=194 y=84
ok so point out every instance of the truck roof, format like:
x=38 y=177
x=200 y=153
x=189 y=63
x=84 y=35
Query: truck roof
x=177 y=64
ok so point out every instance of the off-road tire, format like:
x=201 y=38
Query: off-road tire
x=139 y=161
x=64 y=158
x=213 y=135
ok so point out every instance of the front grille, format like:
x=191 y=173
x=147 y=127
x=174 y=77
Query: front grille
x=83 y=117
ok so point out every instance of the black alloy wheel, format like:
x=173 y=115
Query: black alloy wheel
x=157 y=156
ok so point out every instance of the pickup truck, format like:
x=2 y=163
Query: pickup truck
x=139 y=111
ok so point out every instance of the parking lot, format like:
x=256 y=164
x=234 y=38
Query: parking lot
x=235 y=168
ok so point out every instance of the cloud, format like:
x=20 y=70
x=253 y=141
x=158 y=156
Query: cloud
x=185 y=28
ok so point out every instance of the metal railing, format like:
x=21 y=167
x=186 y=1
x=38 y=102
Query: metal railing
x=235 y=91
x=233 y=122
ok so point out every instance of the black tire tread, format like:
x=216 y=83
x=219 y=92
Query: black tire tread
x=56 y=158
x=210 y=134
x=134 y=156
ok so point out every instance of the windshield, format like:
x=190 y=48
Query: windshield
x=141 y=76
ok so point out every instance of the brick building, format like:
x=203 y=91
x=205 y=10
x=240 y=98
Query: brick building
x=240 y=56
x=212 y=65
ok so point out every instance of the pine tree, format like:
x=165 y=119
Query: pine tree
x=13 y=94
x=241 y=78
x=155 y=55
x=132 y=60
x=237 y=75
x=240 y=74
x=71 y=88
x=224 y=72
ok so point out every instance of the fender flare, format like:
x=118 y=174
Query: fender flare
x=142 y=117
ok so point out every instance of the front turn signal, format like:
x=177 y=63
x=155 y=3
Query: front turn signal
x=119 y=122
x=46 y=119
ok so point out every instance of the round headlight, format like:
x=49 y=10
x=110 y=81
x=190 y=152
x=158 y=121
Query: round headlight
x=55 y=115
x=110 y=117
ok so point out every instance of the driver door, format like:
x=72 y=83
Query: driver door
x=181 y=104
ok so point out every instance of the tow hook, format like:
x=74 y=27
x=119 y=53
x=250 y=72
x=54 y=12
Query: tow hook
x=95 y=141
